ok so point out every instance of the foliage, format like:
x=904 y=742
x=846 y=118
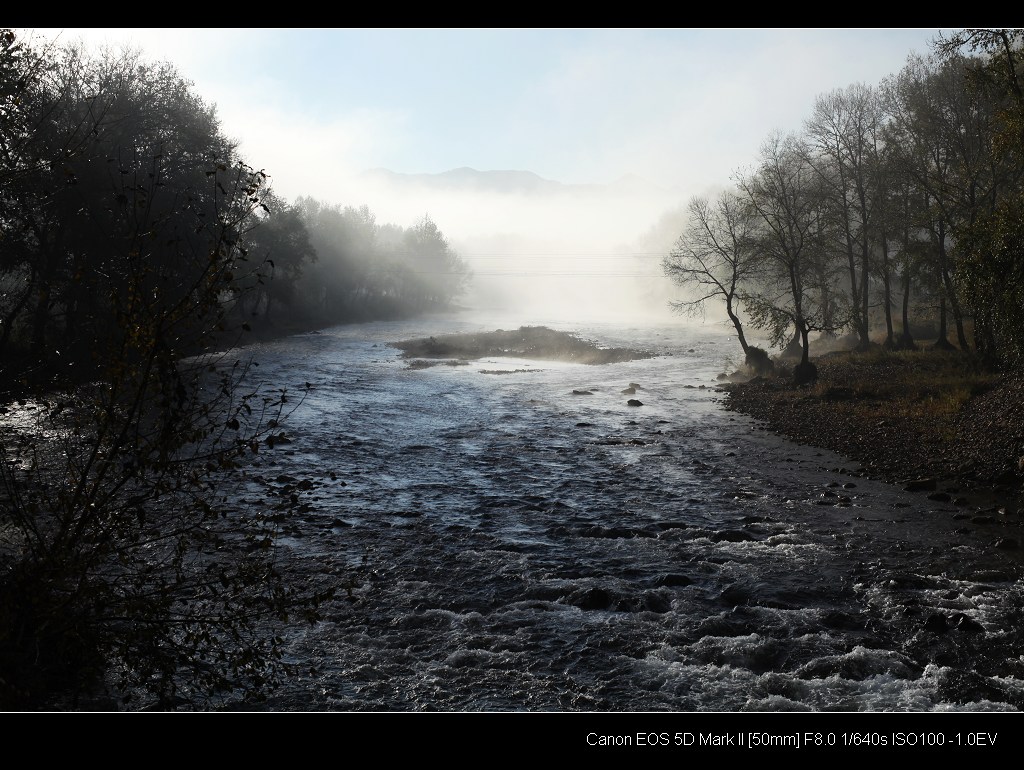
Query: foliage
x=127 y=565
x=993 y=240
x=440 y=271
x=279 y=240
x=842 y=136
x=366 y=270
x=993 y=269
x=130 y=575
x=786 y=197
x=758 y=361
x=921 y=178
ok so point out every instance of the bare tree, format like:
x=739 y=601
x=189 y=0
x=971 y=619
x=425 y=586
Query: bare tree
x=785 y=194
x=942 y=138
x=715 y=257
x=841 y=134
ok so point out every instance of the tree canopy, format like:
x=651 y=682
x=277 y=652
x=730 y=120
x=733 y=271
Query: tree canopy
x=137 y=248
x=915 y=182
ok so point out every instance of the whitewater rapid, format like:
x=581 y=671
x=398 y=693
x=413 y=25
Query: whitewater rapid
x=501 y=543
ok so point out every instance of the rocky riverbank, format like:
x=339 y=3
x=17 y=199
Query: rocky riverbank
x=928 y=420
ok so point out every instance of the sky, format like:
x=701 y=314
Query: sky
x=682 y=108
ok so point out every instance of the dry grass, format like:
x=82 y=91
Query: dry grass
x=902 y=414
x=926 y=383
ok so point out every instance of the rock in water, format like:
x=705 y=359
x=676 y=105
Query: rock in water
x=635 y=402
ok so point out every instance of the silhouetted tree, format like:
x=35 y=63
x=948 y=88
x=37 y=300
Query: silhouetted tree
x=785 y=194
x=841 y=135
x=128 y=571
x=278 y=239
x=942 y=139
x=991 y=240
x=715 y=257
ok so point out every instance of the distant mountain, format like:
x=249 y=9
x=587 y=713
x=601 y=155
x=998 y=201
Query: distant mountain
x=470 y=179
x=509 y=182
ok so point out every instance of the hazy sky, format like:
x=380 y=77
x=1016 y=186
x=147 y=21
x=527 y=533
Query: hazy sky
x=683 y=108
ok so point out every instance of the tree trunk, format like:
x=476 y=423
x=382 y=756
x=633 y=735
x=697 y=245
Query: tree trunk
x=947 y=282
x=943 y=343
x=865 y=328
x=737 y=325
x=906 y=341
x=890 y=337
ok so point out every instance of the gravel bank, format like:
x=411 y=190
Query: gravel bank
x=971 y=449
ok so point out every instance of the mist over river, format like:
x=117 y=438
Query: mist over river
x=501 y=543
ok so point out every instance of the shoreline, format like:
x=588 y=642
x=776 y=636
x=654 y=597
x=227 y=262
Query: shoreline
x=973 y=456
x=969 y=455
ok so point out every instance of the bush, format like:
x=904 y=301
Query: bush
x=805 y=373
x=758 y=362
x=130 y=574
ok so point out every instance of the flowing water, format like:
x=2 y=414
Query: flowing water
x=501 y=543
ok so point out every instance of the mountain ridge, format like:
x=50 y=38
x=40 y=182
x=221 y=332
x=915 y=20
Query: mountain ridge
x=510 y=181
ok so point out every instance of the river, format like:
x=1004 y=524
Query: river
x=501 y=543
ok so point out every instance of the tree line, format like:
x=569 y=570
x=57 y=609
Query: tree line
x=137 y=249
x=114 y=172
x=895 y=206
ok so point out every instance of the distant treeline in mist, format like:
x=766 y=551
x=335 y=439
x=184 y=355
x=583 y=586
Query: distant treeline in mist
x=897 y=207
x=119 y=190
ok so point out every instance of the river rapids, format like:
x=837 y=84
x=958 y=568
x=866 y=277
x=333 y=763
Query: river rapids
x=513 y=535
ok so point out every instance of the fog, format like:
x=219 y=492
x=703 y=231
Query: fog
x=681 y=107
x=553 y=252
